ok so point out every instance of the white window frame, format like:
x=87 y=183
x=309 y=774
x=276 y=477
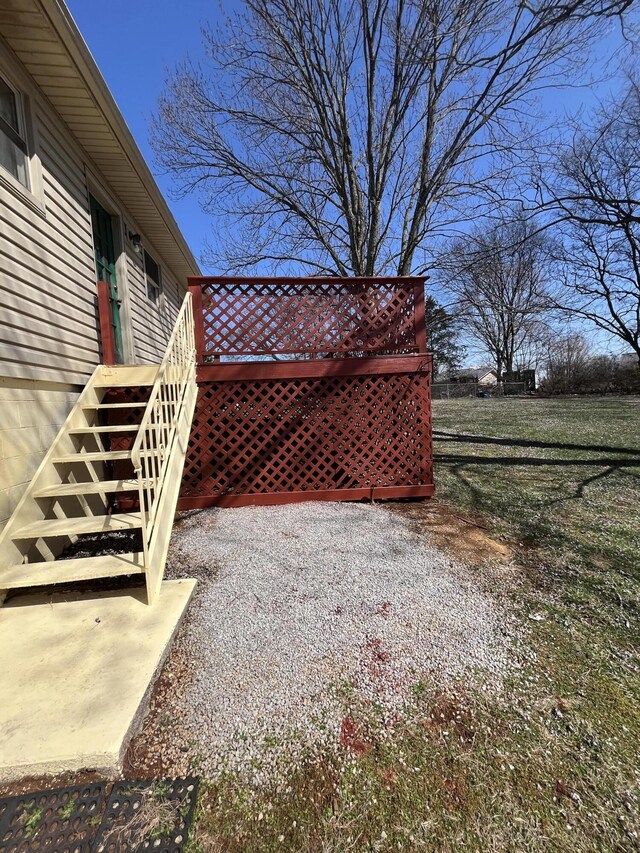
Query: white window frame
x=33 y=195
x=149 y=282
x=21 y=134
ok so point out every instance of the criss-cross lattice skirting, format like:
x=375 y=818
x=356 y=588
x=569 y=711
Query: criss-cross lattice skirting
x=354 y=428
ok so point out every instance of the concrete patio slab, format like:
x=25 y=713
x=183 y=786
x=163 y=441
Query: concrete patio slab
x=75 y=672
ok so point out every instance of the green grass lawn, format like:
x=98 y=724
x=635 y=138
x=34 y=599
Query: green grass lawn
x=562 y=476
x=553 y=763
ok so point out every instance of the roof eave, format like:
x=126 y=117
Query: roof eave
x=68 y=32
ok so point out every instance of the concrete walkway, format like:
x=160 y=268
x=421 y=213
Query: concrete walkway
x=75 y=671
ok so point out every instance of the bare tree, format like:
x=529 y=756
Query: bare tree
x=341 y=134
x=567 y=364
x=498 y=278
x=596 y=197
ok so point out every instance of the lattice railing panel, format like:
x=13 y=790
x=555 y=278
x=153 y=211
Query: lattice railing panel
x=305 y=435
x=254 y=317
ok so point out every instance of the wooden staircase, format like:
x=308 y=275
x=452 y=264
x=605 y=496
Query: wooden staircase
x=82 y=480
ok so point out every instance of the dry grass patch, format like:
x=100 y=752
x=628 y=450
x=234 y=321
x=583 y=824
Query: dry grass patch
x=154 y=816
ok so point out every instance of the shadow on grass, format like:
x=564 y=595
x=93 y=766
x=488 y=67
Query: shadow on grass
x=470 y=438
x=610 y=465
x=461 y=466
x=535 y=461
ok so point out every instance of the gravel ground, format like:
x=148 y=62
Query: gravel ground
x=303 y=610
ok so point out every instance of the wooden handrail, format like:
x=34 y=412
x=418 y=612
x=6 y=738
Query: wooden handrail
x=152 y=449
x=200 y=280
x=321 y=368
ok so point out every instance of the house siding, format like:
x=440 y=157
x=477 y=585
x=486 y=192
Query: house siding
x=31 y=413
x=47 y=274
x=151 y=324
x=49 y=341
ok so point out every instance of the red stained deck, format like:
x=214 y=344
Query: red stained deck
x=309 y=389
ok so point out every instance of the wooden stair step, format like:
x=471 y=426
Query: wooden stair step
x=142 y=405
x=90 y=488
x=77 y=569
x=126 y=376
x=75 y=526
x=92 y=430
x=97 y=456
x=116 y=384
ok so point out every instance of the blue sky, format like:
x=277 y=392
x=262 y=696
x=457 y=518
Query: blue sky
x=135 y=42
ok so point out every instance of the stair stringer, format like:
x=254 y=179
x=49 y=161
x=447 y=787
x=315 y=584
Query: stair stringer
x=31 y=509
x=47 y=474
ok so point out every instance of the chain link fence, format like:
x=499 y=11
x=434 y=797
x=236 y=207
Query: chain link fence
x=461 y=390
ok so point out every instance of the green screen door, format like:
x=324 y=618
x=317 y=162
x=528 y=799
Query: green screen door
x=106 y=267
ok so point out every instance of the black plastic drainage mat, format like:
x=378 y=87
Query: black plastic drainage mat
x=154 y=816
x=119 y=817
x=65 y=820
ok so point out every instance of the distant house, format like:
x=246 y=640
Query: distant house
x=78 y=204
x=482 y=375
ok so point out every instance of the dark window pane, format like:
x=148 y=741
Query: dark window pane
x=8 y=106
x=151 y=268
x=13 y=159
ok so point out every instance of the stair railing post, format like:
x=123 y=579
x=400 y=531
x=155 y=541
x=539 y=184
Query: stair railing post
x=419 y=318
x=195 y=289
x=107 y=343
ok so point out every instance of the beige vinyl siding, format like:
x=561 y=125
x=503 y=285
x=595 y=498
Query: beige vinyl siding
x=44 y=39
x=151 y=323
x=30 y=416
x=49 y=328
x=49 y=339
x=47 y=279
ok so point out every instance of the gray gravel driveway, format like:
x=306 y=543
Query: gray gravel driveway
x=303 y=608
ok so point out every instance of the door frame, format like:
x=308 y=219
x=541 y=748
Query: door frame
x=117 y=228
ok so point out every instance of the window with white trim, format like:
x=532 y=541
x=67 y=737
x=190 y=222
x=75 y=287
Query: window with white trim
x=14 y=155
x=152 y=274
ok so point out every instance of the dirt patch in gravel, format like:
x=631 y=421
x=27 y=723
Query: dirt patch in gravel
x=463 y=536
x=301 y=613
